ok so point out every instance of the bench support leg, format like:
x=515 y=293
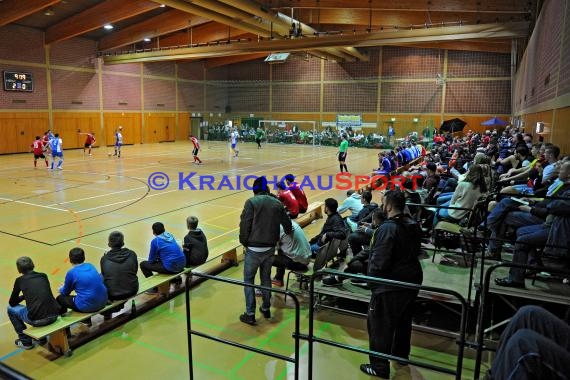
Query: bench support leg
x=59 y=344
x=230 y=257
x=164 y=288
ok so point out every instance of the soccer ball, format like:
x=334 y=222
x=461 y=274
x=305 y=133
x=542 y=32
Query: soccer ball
x=120 y=127
x=109 y=154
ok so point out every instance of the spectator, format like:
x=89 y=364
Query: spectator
x=293 y=254
x=297 y=192
x=394 y=256
x=165 y=255
x=352 y=203
x=534 y=345
x=334 y=227
x=288 y=199
x=41 y=308
x=119 y=269
x=83 y=278
x=258 y=233
x=195 y=245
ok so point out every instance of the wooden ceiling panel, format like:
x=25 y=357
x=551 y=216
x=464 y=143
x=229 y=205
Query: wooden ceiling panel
x=107 y=12
x=209 y=32
x=13 y=10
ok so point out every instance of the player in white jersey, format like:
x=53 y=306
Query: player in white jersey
x=56 y=147
x=234 y=136
x=118 y=141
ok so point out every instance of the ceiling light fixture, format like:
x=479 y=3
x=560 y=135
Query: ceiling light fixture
x=162 y=5
x=146 y=39
x=108 y=27
x=49 y=12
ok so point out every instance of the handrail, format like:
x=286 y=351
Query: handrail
x=190 y=332
x=9 y=373
x=461 y=342
x=482 y=305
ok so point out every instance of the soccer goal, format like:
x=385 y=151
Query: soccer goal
x=290 y=131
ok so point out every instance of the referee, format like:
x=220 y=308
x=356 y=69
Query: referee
x=342 y=151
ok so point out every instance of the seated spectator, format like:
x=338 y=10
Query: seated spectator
x=359 y=262
x=334 y=227
x=465 y=196
x=288 y=199
x=41 y=308
x=86 y=282
x=297 y=192
x=520 y=172
x=294 y=253
x=119 y=268
x=431 y=182
x=352 y=203
x=509 y=213
x=534 y=345
x=549 y=172
x=165 y=255
x=195 y=247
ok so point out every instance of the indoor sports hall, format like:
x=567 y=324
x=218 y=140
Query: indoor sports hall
x=131 y=92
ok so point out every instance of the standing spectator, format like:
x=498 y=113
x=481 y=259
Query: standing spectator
x=165 y=255
x=298 y=192
x=394 y=256
x=119 y=269
x=83 y=278
x=195 y=246
x=288 y=199
x=342 y=153
x=41 y=308
x=294 y=253
x=259 y=233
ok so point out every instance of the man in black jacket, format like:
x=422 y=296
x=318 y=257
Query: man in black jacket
x=394 y=256
x=41 y=307
x=334 y=227
x=360 y=237
x=195 y=246
x=259 y=233
x=119 y=268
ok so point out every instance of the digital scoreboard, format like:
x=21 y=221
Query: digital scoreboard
x=18 y=81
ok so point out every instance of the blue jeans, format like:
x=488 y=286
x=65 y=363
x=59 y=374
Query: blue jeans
x=315 y=248
x=253 y=261
x=505 y=213
x=19 y=317
x=528 y=238
x=534 y=345
x=442 y=213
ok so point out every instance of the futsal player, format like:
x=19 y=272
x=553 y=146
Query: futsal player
x=38 y=149
x=89 y=141
x=56 y=147
x=234 y=139
x=342 y=152
x=196 y=150
x=118 y=142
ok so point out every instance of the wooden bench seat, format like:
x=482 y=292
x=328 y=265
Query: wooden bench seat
x=314 y=211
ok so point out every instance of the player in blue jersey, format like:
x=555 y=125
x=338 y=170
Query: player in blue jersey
x=118 y=141
x=56 y=147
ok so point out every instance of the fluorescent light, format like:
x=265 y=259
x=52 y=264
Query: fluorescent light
x=416 y=119
x=393 y=119
x=162 y=5
x=146 y=39
x=108 y=27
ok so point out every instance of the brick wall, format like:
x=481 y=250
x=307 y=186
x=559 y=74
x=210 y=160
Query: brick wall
x=21 y=44
x=249 y=97
x=461 y=64
x=297 y=69
x=190 y=97
x=402 y=62
x=485 y=97
x=191 y=70
x=75 y=90
x=296 y=97
x=75 y=52
x=159 y=94
x=350 y=97
x=351 y=70
x=162 y=69
x=121 y=92
x=418 y=98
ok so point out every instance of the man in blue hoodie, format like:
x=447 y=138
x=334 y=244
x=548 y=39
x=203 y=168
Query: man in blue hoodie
x=165 y=254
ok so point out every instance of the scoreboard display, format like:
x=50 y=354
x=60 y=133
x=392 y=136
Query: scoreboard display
x=18 y=81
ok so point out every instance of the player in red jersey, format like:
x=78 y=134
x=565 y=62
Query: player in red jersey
x=196 y=150
x=89 y=141
x=38 y=149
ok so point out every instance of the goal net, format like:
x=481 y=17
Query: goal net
x=290 y=131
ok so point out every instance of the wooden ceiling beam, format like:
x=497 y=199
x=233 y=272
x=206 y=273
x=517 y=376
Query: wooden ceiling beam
x=13 y=10
x=511 y=30
x=107 y=12
x=168 y=22
x=490 y=47
x=223 y=61
x=475 y=6
x=209 y=32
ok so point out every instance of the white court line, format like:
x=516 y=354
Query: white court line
x=99 y=196
x=94 y=246
x=33 y=204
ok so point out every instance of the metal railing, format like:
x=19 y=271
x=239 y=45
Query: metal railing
x=190 y=331
x=311 y=338
x=483 y=305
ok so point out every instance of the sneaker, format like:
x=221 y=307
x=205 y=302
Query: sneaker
x=331 y=281
x=277 y=283
x=360 y=283
x=24 y=345
x=266 y=313
x=367 y=369
x=247 y=319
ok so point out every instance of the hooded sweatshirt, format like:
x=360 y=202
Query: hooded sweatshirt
x=119 y=270
x=195 y=247
x=165 y=249
x=351 y=203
